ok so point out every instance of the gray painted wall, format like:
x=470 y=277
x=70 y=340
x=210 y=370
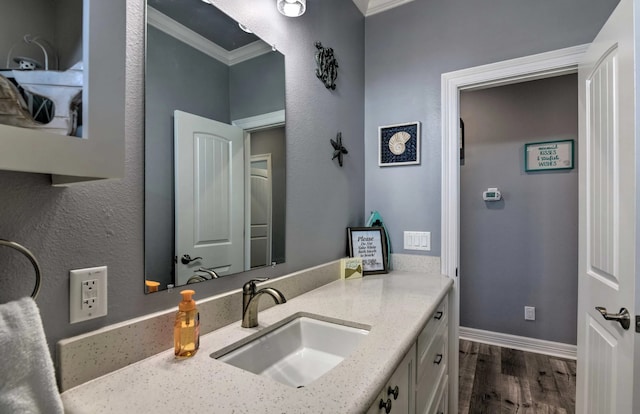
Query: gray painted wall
x=272 y=141
x=102 y=223
x=409 y=47
x=523 y=250
x=257 y=86
x=63 y=32
x=27 y=16
x=177 y=77
x=69 y=32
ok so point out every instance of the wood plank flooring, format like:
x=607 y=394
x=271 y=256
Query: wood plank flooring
x=495 y=380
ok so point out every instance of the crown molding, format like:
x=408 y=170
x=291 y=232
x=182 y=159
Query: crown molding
x=371 y=7
x=182 y=33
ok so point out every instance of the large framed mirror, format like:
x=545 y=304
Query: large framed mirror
x=62 y=88
x=214 y=146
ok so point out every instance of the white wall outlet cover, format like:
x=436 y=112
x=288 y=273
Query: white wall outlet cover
x=87 y=293
x=529 y=313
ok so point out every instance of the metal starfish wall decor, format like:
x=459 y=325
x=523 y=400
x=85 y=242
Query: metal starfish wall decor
x=327 y=70
x=338 y=148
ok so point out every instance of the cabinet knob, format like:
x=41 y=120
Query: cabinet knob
x=438 y=359
x=385 y=405
x=438 y=315
x=393 y=391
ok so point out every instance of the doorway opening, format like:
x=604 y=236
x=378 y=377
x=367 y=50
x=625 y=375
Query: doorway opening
x=519 y=251
x=564 y=61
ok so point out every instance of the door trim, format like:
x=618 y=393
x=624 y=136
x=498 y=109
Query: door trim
x=539 y=66
x=254 y=124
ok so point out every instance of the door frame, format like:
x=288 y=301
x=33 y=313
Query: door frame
x=249 y=125
x=252 y=158
x=539 y=66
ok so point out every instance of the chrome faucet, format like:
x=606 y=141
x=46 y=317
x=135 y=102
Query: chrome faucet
x=210 y=272
x=250 y=299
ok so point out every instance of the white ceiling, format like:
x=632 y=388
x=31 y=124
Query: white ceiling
x=369 y=7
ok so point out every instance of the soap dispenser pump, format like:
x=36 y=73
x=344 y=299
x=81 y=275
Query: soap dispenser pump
x=186 y=330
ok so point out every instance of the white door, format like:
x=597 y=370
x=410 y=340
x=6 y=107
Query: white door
x=209 y=187
x=261 y=210
x=607 y=242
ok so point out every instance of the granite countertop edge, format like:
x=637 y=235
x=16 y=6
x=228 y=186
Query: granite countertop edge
x=396 y=306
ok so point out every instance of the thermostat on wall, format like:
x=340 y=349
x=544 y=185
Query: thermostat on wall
x=492 y=194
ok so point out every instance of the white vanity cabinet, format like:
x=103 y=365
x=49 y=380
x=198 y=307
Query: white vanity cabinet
x=432 y=353
x=422 y=376
x=398 y=394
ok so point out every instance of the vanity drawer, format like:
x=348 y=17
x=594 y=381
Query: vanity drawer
x=438 y=319
x=432 y=368
x=441 y=402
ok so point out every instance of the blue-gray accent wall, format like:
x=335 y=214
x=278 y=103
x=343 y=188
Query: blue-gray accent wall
x=407 y=50
x=257 y=86
x=523 y=250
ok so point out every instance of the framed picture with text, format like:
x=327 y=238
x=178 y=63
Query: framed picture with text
x=549 y=156
x=370 y=244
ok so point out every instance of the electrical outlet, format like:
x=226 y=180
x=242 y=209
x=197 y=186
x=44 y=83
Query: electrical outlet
x=529 y=313
x=87 y=293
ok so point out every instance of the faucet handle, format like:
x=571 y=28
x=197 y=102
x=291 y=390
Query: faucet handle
x=250 y=286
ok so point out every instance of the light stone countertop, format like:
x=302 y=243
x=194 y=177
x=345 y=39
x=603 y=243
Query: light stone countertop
x=396 y=306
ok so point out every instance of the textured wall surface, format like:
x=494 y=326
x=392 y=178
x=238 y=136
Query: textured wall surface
x=102 y=223
x=409 y=47
x=522 y=250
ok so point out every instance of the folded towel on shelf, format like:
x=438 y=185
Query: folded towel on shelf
x=27 y=383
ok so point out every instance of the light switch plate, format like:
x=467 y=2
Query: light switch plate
x=87 y=293
x=417 y=240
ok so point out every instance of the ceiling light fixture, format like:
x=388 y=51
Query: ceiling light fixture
x=244 y=28
x=292 y=8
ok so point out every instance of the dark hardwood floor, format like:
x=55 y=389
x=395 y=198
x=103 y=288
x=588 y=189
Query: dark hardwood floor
x=495 y=380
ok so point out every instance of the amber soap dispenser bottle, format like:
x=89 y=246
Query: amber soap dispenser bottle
x=186 y=330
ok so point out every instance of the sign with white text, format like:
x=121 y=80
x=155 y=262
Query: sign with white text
x=553 y=155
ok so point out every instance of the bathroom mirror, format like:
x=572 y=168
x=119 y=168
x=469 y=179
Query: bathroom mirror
x=214 y=146
x=62 y=88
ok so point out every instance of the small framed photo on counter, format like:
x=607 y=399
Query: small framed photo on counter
x=370 y=244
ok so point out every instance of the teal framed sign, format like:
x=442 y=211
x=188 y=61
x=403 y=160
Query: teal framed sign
x=550 y=155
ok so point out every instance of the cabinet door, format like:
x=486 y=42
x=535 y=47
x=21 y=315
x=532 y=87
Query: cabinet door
x=398 y=393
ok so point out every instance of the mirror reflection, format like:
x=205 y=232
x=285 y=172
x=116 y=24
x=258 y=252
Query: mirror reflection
x=214 y=146
x=41 y=68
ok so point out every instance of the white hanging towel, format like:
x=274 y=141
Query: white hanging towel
x=27 y=382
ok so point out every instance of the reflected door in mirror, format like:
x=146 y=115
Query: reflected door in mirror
x=209 y=210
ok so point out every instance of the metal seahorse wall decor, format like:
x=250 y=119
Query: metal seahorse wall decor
x=327 y=70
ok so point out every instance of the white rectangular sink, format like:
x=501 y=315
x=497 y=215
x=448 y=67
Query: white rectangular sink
x=297 y=352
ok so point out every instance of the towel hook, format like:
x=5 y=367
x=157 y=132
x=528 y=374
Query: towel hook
x=31 y=258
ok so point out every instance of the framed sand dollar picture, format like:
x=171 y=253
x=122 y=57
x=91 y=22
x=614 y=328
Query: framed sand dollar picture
x=399 y=144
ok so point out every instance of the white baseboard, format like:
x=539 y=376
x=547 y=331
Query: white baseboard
x=522 y=343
